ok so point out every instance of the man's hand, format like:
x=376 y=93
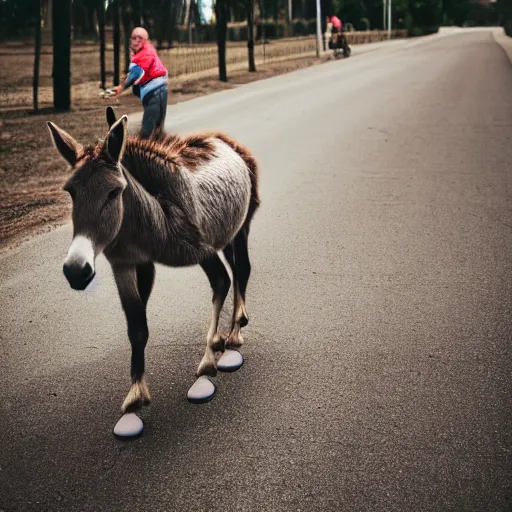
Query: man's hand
x=118 y=90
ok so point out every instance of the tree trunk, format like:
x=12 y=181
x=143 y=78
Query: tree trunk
x=221 y=18
x=136 y=13
x=127 y=32
x=101 y=26
x=61 y=73
x=170 y=22
x=250 y=35
x=189 y=20
x=94 y=24
x=117 y=41
x=72 y=22
x=37 y=57
x=48 y=16
x=263 y=35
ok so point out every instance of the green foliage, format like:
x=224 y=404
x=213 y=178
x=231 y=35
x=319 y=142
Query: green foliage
x=161 y=17
x=504 y=12
x=18 y=17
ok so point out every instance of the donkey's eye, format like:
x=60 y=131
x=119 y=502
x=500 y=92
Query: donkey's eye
x=114 y=193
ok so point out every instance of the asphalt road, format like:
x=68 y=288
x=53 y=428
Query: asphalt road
x=378 y=354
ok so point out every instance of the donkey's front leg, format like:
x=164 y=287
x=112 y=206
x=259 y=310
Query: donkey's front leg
x=135 y=310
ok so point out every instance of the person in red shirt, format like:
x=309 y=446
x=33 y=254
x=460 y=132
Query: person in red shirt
x=149 y=76
x=336 y=27
x=336 y=22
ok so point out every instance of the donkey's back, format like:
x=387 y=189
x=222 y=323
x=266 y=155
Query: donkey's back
x=224 y=190
x=208 y=180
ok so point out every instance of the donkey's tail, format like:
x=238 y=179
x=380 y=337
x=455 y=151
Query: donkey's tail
x=252 y=165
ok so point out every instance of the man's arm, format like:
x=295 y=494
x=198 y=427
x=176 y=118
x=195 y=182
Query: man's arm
x=135 y=73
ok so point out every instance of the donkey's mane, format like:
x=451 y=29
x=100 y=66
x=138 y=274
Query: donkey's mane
x=168 y=150
x=172 y=150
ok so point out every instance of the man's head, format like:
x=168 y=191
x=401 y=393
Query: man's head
x=138 y=38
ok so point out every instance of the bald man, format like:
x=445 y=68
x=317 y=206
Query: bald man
x=147 y=72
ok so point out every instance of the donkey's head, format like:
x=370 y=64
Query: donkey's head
x=95 y=187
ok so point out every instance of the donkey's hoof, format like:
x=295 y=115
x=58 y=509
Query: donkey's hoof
x=129 y=425
x=137 y=397
x=234 y=341
x=230 y=361
x=202 y=391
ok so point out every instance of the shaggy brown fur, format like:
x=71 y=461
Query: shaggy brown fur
x=188 y=152
x=251 y=164
x=183 y=152
x=171 y=150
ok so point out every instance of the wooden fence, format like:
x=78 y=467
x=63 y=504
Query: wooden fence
x=181 y=61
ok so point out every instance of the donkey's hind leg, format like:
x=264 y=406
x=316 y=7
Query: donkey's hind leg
x=241 y=273
x=220 y=283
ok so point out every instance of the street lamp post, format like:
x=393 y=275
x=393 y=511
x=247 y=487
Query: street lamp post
x=389 y=19
x=318 y=29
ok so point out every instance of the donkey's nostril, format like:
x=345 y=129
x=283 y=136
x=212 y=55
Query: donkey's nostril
x=86 y=271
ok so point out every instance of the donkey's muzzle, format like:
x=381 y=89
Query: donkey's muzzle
x=78 y=276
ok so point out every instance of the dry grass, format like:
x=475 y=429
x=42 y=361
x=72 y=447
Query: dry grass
x=16 y=86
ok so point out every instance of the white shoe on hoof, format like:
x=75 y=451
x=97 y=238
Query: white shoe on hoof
x=230 y=361
x=129 y=425
x=202 y=391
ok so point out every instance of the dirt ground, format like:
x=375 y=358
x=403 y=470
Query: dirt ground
x=16 y=86
x=32 y=173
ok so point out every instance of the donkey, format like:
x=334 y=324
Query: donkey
x=177 y=201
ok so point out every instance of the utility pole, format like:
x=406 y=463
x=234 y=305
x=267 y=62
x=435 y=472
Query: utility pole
x=384 y=9
x=290 y=30
x=318 y=29
x=262 y=14
x=389 y=19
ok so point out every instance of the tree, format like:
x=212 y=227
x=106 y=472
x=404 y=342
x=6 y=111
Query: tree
x=221 y=20
x=504 y=8
x=61 y=72
x=37 y=55
x=127 y=28
x=101 y=28
x=250 y=35
x=117 y=40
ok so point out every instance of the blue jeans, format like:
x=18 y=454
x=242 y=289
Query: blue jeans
x=155 y=108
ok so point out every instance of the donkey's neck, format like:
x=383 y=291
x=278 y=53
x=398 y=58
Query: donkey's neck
x=154 y=177
x=143 y=229
x=159 y=222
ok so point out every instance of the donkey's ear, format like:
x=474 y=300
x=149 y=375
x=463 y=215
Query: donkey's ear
x=116 y=139
x=111 y=116
x=68 y=147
